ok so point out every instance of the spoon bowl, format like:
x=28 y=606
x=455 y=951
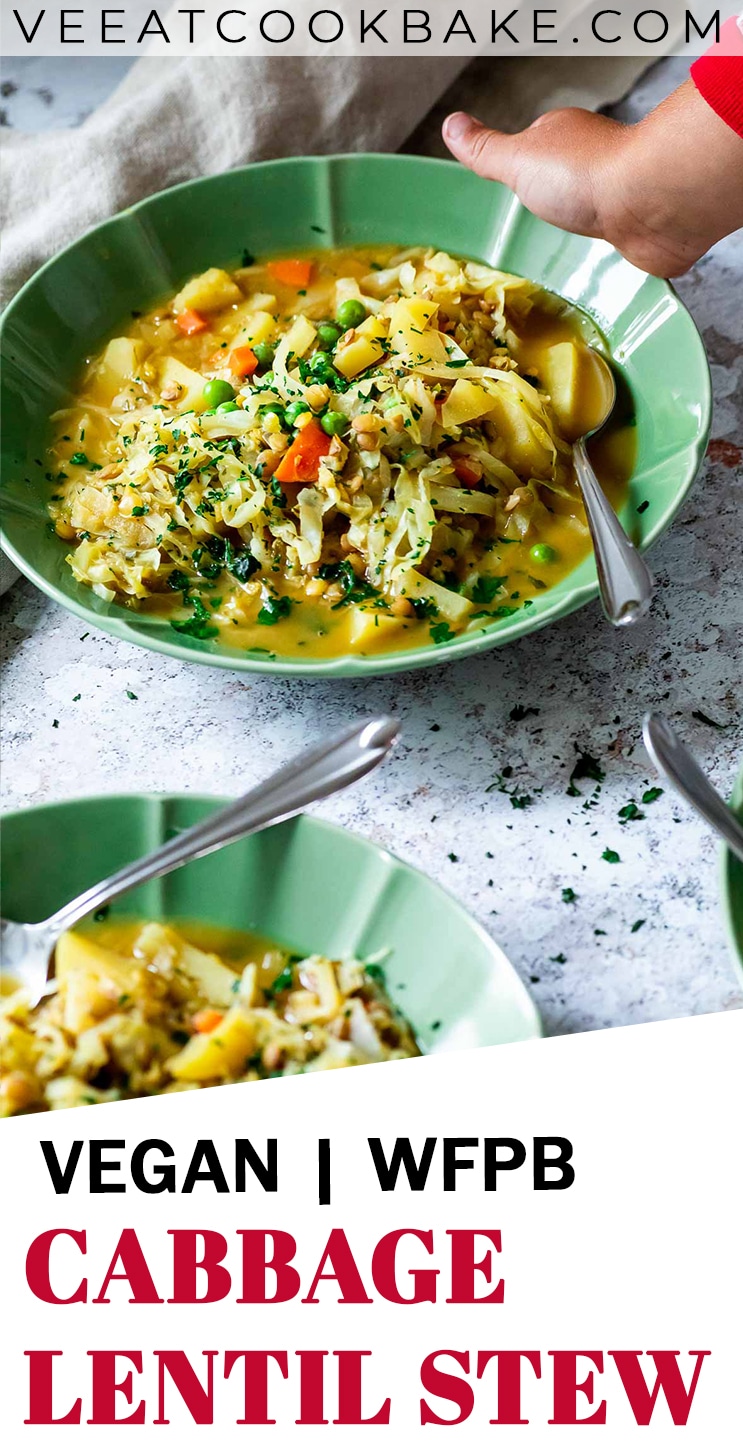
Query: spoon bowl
x=625 y=581
x=28 y=948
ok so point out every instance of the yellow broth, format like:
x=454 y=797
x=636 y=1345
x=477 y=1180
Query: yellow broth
x=326 y=626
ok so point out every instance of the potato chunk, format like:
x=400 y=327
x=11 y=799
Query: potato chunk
x=211 y=291
x=366 y=347
x=466 y=402
x=218 y=1054
x=562 y=379
x=411 y=333
x=186 y=385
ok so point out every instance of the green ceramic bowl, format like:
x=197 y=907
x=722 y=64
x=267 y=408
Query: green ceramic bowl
x=78 y=299
x=732 y=884
x=306 y=884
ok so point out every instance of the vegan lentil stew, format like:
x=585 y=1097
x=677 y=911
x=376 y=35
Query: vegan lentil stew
x=351 y=451
x=148 y=1008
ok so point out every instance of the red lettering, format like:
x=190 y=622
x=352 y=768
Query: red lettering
x=106 y=1387
x=311 y=1383
x=256 y=1266
x=344 y=1272
x=40 y=1407
x=509 y=1381
x=38 y=1262
x=384 y=1269
x=446 y=1387
x=186 y=1267
x=255 y=1403
x=464 y=1265
x=567 y=1388
x=129 y=1253
x=668 y=1380
x=349 y=1391
x=198 y=1401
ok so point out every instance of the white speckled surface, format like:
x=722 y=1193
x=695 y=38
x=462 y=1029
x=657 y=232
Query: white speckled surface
x=193 y=728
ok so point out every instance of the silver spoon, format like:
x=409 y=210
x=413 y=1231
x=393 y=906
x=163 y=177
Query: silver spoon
x=27 y=948
x=625 y=580
x=673 y=759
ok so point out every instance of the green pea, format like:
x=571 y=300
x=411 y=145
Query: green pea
x=264 y=354
x=217 y=391
x=334 y=422
x=327 y=335
x=320 y=365
x=274 y=410
x=294 y=410
x=229 y=406
x=541 y=552
x=350 y=313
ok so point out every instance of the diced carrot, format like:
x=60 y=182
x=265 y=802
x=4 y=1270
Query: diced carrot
x=191 y=322
x=243 y=361
x=206 y=1020
x=291 y=273
x=469 y=474
x=301 y=463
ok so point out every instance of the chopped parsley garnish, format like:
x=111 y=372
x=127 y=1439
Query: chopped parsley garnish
x=200 y=625
x=569 y=895
x=637 y=926
x=610 y=855
x=586 y=767
x=440 y=632
x=652 y=795
x=273 y=609
x=282 y=981
x=518 y=713
x=630 y=813
x=486 y=587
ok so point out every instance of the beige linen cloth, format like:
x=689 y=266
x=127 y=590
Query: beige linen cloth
x=174 y=119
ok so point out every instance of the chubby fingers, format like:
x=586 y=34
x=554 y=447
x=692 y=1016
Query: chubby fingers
x=490 y=153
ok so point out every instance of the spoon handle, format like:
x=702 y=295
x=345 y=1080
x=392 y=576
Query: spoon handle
x=676 y=763
x=315 y=774
x=625 y=581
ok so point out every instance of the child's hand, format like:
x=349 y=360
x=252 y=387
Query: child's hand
x=662 y=192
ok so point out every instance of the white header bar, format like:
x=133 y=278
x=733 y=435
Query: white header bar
x=349 y=27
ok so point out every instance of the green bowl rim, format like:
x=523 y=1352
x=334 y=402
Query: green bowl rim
x=728 y=861
x=321 y=825
x=348 y=665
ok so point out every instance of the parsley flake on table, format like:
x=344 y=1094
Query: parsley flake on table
x=132 y=696
x=652 y=795
x=569 y=895
x=610 y=855
x=585 y=767
x=637 y=926
x=630 y=813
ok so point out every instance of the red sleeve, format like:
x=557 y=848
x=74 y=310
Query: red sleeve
x=718 y=75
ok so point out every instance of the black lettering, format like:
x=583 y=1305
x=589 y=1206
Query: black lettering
x=274 y=39
x=190 y=14
x=65 y=25
x=205 y=1153
x=160 y=28
x=165 y=1173
x=61 y=1179
x=28 y=38
x=542 y=1164
x=494 y=1165
x=540 y=25
x=267 y=1174
x=410 y=24
x=716 y=21
x=231 y=39
x=504 y=26
x=453 y=30
x=97 y=1166
x=452 y=1163
x=372 y=25
x=107 y=25
x=402 y=1155
x=325 y=39
x=605 y=39
x=656 y=39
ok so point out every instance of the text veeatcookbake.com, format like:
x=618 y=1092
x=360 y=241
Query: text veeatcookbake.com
x=533 y=29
